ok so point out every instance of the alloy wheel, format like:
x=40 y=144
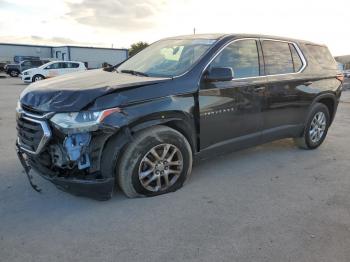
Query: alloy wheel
x=161 y=167
x=37 y=78
x=318 y=127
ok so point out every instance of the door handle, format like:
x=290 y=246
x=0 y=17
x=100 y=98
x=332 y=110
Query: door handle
x=308 y=83
x=259 y=88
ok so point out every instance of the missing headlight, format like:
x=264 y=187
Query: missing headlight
x=73 y=152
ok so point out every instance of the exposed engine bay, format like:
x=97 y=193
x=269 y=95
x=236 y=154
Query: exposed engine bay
x=73 y=152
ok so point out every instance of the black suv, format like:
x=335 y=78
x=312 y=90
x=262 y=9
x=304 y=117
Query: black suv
x=140 y=124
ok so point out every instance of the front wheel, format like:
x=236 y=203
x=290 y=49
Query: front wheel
x=157 y=161
x=316 y=128
x=37 y=78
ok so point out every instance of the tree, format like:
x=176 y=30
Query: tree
x=137 y=47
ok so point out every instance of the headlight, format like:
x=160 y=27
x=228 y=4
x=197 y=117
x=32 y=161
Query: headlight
x=78 y=122
x=25 y=73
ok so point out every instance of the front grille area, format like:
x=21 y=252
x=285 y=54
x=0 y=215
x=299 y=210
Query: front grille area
x=29 y=134
x=33 y=134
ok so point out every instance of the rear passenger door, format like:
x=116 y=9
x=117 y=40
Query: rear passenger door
x=72 y=67
x=285 y=106
x=63 y=68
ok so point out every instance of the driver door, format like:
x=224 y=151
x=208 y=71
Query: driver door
x=53 y=70
x=230 y=111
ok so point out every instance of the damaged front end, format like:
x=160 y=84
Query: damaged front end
x=66 y=148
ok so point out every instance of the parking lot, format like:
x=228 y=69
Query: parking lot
x=269 y=203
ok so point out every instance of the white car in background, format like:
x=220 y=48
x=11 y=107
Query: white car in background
x=52 y=69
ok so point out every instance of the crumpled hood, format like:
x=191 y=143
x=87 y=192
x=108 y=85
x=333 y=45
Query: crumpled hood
x=73 y=92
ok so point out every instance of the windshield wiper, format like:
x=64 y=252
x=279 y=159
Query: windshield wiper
x=133 y=72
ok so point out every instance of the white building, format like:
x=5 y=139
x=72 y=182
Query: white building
x=94 y=57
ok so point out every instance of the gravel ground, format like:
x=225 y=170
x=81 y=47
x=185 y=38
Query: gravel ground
x=269 y=203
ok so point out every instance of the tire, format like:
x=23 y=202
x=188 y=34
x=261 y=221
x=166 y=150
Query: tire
x=37 y=78
x=309 y=140
x=138 y=160
x=13 y=73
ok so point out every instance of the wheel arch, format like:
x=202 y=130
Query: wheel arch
x=330 y=101
x=122 y=135
x=13 y=70
x=43 y=77
x=180 y=123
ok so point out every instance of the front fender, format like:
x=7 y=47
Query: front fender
x=174 y=111
x=154 y=112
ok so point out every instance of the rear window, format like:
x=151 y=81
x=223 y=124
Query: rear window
x=322 y=55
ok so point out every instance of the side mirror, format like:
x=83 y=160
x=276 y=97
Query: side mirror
x=219 y=74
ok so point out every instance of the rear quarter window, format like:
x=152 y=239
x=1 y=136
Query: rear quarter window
x=298 y=64
x=322 y=56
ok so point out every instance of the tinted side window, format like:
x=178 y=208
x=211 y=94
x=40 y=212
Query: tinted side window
x=296 y=58
x=53 y=66
x=36 y=63
x=322 y=55
x=278 y=59
x=72 y=65
x=242 y=56
x=63 y=65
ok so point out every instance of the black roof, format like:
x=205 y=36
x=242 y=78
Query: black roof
x=239 y=35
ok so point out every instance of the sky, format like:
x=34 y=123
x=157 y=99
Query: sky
x=119 y=23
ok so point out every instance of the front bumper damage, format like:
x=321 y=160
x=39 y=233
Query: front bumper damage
x=99 y=189
x=71 y=162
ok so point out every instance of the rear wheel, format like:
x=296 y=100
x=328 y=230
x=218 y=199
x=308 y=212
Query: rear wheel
x=37 y=78
x=14 y=73
x=316 y=128
x=156 y=162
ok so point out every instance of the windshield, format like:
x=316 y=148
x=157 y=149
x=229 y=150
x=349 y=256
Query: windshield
x=167 y=58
